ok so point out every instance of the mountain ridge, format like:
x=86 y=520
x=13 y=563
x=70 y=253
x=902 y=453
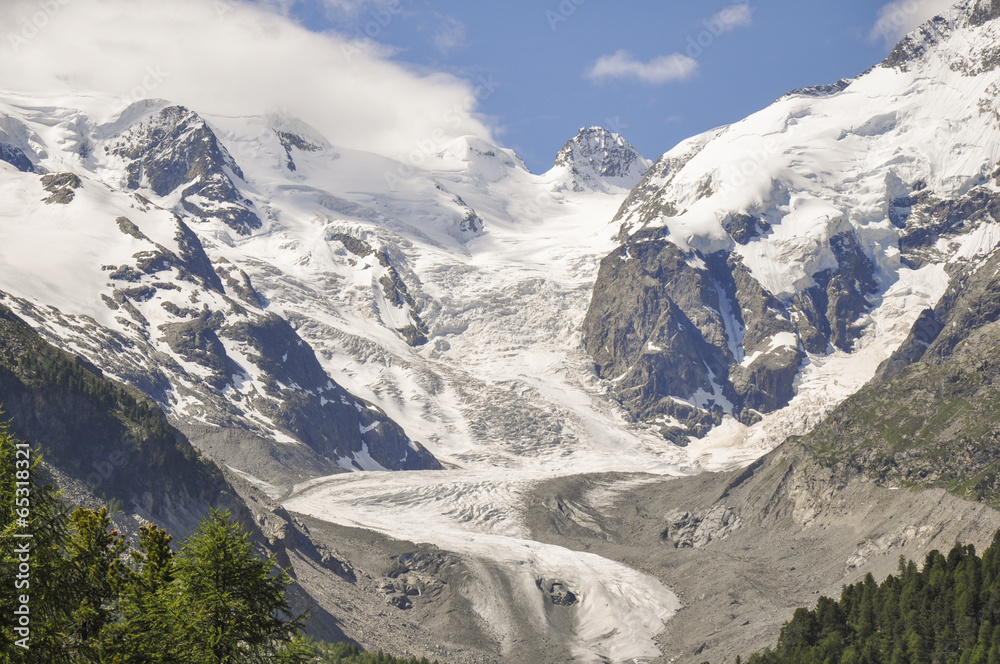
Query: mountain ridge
x=577 y=358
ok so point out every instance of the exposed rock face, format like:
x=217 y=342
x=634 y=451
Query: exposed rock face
x=651 y=336
x=219 y=350
x=289 y=141
x=393 y=288
x=923 y=334
x=985 y=10
x=930 y=418
x=175 y=148
x=925 y=219
x=417 y=577
x=556 y=592
x=684 y=338
x=108 y=437
x=195 y=335
x=773 y=265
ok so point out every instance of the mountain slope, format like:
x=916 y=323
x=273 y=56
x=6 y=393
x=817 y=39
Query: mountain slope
x=445 y=300
x=106 y=436
x=105 y=443
x=811 y=232
x=930 y=417
x=150 y=306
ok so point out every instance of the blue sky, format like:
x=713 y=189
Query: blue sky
x=538 y=54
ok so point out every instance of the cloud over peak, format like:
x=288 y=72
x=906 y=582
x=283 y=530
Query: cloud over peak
x=227 y=57
x=896 y=19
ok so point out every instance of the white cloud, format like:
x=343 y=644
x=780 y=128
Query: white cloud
x=898 y=18
x=235 y=58
x=353 y=8
x=450 y=34
x=664 y=69
x=731 y=17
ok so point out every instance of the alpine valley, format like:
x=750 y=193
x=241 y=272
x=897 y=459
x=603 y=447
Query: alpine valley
x=622 y=411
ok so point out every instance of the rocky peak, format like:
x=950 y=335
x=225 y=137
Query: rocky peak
x=596 y=157
x=174 y=148
x=975 y=52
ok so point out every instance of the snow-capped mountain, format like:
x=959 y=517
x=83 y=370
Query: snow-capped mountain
x=300 y=309
x=146 y=303
x=810 y=235
x=596 y=159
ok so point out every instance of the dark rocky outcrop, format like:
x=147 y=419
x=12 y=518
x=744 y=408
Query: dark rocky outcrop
x=930 y=218
x=745 y=227
x=61 y=186
x=197 y=342
x=297 y=394
x=822 y=90
x=394 y=289
x=687 y=530
x=969 y=309
x=846 y=290
x=931 y=417
x=925 y=330
x=556 y=592
x=190 y=263
x=176 y=148
x=238 y=283
x=654 y=329
x=289 y=141
x=16 y=158
x=984 y=11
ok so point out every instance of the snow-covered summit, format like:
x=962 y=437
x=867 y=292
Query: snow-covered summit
x=928 y=115
x=596 y=159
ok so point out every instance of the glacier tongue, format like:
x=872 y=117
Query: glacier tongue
x=618 y=610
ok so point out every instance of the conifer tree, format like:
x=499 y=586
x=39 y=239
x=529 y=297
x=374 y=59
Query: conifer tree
x=233 y=602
